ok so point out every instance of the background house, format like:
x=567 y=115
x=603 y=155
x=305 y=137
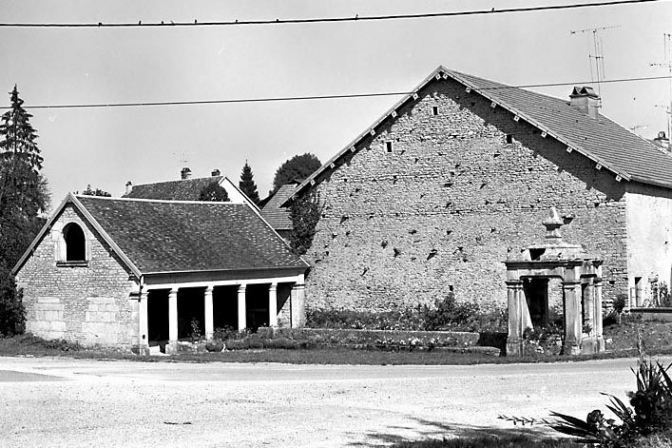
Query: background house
x=455 y=179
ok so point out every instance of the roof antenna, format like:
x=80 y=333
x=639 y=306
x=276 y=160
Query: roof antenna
x=597 y=57
x=667 y=48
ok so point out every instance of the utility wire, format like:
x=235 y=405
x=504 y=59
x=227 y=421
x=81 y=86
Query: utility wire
x=356 y=18
x=312 y=97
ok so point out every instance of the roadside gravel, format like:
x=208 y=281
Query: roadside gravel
x=60 y=402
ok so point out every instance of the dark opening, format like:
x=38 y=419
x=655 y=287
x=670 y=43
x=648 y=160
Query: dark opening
x=388 y=146
x=257 y=306
x=225 y=307
x=74 y=243
x=435 y=110
x=509 y=138
x=536 y=293
x=535 y=254
x=157 y=317
x=190 y=308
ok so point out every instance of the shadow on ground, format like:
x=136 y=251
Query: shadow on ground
x=440 y=430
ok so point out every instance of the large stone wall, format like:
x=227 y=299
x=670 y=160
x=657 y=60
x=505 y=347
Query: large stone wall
x=90 y=304
x=441 y=195
x=649 y=224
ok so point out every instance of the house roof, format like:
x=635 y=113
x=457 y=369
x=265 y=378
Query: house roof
x=176 y=190
x=273 y=212
x=154 y=236
x=612 y=147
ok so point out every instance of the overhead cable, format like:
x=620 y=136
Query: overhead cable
x=311 y=97
x=356 y=18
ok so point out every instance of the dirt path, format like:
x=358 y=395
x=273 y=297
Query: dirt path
x=61 y=402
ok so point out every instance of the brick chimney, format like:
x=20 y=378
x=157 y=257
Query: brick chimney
x=585 y=100
x=216 y=173
x=129 y=187
x=185 y=173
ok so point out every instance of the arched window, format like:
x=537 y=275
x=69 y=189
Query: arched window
x=75 y=247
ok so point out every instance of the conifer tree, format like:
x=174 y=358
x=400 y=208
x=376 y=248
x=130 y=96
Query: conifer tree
x=23 y=198
x=247 y=184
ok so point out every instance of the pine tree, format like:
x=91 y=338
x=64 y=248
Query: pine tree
x=23 y=198
x=247 y=184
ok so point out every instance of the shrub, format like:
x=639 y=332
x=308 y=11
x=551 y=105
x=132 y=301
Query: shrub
x=12 y=313
x=619 y=302
x=650 y=412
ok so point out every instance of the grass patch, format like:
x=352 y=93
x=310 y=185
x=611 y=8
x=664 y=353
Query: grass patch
x=517 y=441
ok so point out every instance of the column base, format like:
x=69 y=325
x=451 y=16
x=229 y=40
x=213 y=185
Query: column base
x=514 y=347
x=571 y=349
x=172 y=348
x=142 y=350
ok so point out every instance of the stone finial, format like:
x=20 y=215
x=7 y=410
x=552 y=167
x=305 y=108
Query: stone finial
x=553 y=224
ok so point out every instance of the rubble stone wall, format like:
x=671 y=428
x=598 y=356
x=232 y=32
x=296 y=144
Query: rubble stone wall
x=441 y=195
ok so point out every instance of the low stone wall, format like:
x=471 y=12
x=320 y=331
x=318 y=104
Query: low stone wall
x=659 y=314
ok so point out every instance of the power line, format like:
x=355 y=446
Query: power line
x=313 y=97
x=356 y=18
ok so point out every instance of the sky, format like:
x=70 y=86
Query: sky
x=106 y=147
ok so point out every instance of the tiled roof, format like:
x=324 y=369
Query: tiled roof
x=628 y=156
x=600 y=139
x=170 y=236
x=273 y=212
x=177 y=190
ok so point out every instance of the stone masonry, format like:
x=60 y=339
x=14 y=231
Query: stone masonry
x=91 y=304
x=438 y=198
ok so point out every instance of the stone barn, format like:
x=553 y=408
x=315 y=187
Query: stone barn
x=455 y=179
x=140 y=272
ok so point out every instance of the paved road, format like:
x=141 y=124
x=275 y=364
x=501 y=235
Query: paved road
x=59 y=402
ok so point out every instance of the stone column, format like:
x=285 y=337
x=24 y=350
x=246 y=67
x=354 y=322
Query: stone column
x=598 y=314
x=589 y=344
x=273 y=305
x=242 y=307
x=209 y=319
x=298 y=305
x=172 y=316
x=514 y=341
x=573 y=318
x=142 y=347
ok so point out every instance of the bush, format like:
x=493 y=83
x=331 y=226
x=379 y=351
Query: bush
x=649 y=413
x=619 y=303
x=12 y=313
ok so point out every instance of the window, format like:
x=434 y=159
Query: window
x=75 y=247
x=509 y=138
x=388 y=146
x=435 y=110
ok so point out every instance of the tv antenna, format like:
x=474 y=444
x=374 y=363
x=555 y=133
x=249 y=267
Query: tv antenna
x=667 y=48
x=598 y=54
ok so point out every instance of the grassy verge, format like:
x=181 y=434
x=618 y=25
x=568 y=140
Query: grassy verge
x=518 y=441
x=622 y=340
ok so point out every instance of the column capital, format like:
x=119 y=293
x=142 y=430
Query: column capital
x=209 y=289
x=242 y=286
x=273 y=286
x=569 y=285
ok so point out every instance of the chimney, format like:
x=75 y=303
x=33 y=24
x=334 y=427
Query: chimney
x=585 y=100
x=129 y=187
x=185 y=173
x=216 y=173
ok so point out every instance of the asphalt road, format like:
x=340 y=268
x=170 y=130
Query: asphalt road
x=60 y=402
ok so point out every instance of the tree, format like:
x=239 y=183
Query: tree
x=213 y=192
x=305 y=213
x=97 y=192
x=247 y=184
x=24 y=198
x=296 y=168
